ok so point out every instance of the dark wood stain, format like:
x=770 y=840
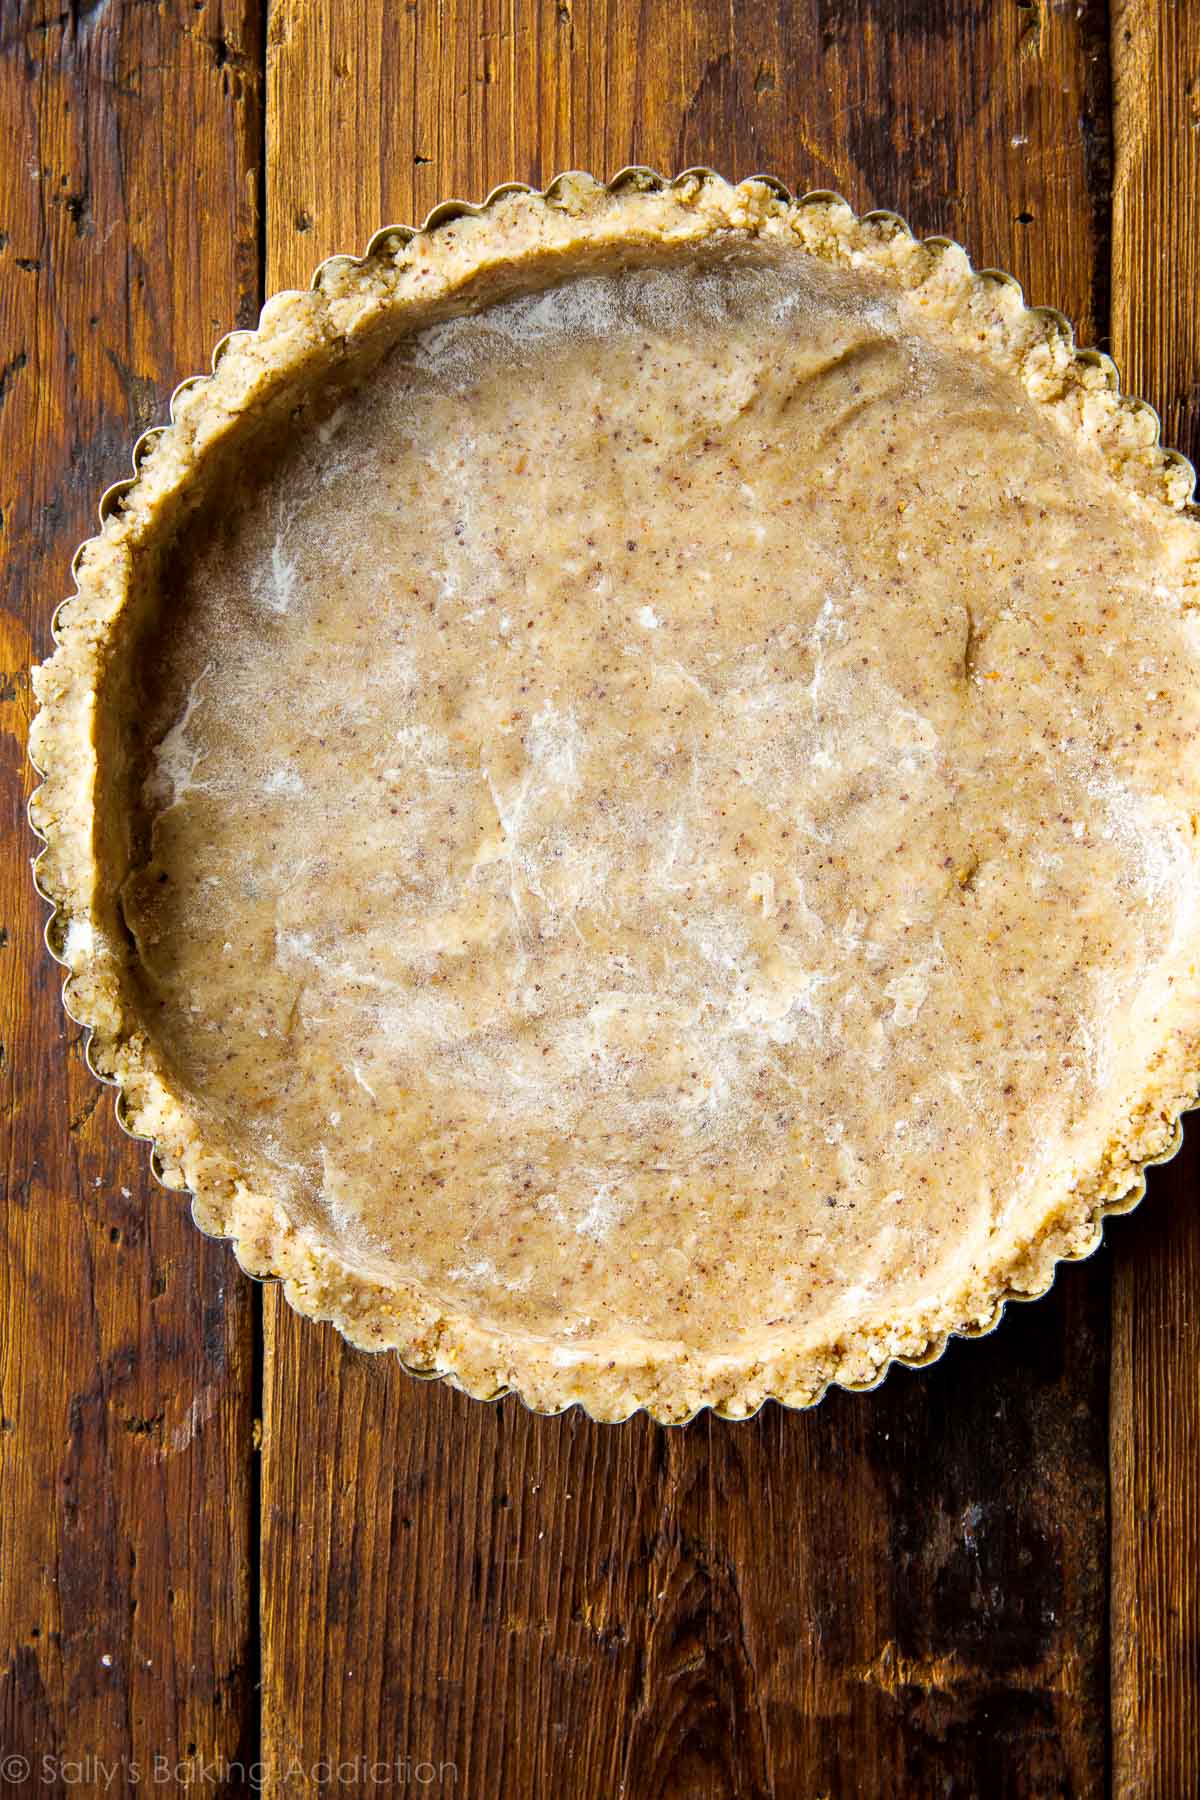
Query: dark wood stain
x=905 y=1594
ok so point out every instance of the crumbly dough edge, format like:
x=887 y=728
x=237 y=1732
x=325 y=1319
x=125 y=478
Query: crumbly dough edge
x=982 y=310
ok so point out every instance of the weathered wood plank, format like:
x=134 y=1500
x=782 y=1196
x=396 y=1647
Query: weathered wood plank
x=1155 y=1444
x=127 y=244
x=990 y=124
x=893 y=1596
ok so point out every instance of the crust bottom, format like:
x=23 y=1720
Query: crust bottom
x=255 y=376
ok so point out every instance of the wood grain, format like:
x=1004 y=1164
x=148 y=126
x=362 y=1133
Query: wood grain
x=897 y=1596
x=127 y=244
x=987 y=123
x=1156 y=1331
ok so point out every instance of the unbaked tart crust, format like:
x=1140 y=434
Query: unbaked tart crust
x=622 y=799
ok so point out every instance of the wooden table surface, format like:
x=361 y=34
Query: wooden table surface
x=227 y=1540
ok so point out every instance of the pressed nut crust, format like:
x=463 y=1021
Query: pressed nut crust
x=621 y=796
